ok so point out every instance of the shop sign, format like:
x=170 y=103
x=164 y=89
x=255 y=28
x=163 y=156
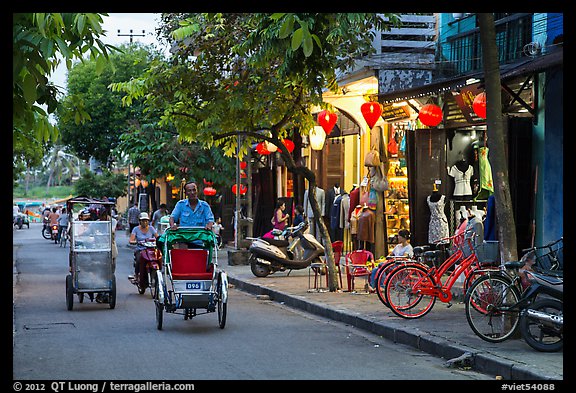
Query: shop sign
x=465 y=100
x=394 y=113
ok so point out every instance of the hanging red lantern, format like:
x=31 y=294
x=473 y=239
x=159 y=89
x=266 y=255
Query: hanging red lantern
x=289 y=145
x=327 y=120
x=243 y=165
x=479 y=105
x=371 y=112
x=243 y=189
x=209 y=191
x=261 y=148
x=430 y=115
x=208 y=183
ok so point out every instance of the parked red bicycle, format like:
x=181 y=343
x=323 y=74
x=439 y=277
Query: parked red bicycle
x=411 y=290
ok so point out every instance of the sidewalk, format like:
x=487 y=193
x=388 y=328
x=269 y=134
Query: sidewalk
x=443 y=332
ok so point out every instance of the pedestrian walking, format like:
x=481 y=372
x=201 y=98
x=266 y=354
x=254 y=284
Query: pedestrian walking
x=158 y=214
x=133 y=214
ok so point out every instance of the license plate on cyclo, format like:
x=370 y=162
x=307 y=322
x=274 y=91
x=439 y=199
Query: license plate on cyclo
x=194 y=285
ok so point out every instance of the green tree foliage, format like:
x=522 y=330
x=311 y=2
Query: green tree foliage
x=254 y=74
x=88 y=93
x=159 y=152
x=40 y=42
x=112 y=185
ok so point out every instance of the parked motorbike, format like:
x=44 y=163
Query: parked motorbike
x=279 y=250
x=151 y=262
x=542 y=321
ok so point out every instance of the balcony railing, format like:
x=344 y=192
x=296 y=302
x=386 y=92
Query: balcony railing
x=512 y=34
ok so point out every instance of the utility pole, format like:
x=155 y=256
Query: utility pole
x=131 y=35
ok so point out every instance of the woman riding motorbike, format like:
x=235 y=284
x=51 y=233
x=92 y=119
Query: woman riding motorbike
x=140 y=233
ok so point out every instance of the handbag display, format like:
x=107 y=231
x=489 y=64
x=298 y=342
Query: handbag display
x=378 y=180
x=372 y=158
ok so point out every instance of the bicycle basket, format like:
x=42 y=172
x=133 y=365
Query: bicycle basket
x=488 y=252
x=545 y=258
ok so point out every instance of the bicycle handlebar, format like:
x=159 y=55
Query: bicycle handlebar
x=549 y=245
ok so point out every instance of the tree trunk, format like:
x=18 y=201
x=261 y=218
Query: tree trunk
x=329 y=252
x=495 y=131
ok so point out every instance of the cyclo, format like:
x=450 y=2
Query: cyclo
x=190 y=279
x=90 y=258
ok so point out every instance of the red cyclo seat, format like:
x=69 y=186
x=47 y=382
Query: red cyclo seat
x=190 y=264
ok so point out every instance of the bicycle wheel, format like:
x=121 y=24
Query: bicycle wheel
x=541 y=325
x=403 y=292
x=380 y=280
x=490 y=310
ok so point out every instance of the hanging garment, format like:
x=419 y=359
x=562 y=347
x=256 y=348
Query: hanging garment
x=486 y=185
x=438 y=226
x=490 y=221
x=366 y=226
x=462 y=180
x=354 y=217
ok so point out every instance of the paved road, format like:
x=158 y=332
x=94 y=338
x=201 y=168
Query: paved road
x=263 y=340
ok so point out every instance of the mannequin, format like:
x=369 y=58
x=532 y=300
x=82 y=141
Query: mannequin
x=331 y=194
x=354 y=199
x=335 y=232
x=320 y=198
x=462 y=174
x=478 y=213
x=475 y=230
x=354 y=217
x=366 y=223
x=438 y=226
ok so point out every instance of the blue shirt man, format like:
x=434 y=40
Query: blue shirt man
x=192 y=211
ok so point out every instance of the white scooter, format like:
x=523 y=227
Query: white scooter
x=280 y=250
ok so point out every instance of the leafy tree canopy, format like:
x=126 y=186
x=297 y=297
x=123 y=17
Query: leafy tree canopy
x=112 y=185
x=88 y=94
x=258 y=74
x=40 y=41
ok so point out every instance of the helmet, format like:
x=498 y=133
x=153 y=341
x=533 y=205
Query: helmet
x=85 y=213
x=143 y=216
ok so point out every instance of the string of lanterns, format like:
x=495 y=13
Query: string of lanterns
x=429 y=115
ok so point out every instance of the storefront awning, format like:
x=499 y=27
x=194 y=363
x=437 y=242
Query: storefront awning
x=507 y=71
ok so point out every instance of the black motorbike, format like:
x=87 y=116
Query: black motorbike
x=280 y=250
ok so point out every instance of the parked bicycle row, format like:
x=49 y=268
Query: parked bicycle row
x=499 y=298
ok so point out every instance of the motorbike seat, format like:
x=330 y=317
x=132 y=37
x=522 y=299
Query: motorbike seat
x=191 y=264
x=278 y=243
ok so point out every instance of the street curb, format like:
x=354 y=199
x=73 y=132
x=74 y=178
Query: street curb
x=479 y=361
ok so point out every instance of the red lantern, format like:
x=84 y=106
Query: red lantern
x=430 y=115
x=208 y=183
x=327 y=120
x=243 y=189
x=289 y=145
x=479 y=105
x=209 y=191
x=261 y=148
x=243 y=165
x=371 y=112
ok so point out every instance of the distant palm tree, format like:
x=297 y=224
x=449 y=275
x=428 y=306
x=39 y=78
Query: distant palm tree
x=61 y=165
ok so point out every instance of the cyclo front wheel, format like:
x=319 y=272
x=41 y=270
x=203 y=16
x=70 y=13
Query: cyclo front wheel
x=221 y=304
x=403 y=291
x=490 y=307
